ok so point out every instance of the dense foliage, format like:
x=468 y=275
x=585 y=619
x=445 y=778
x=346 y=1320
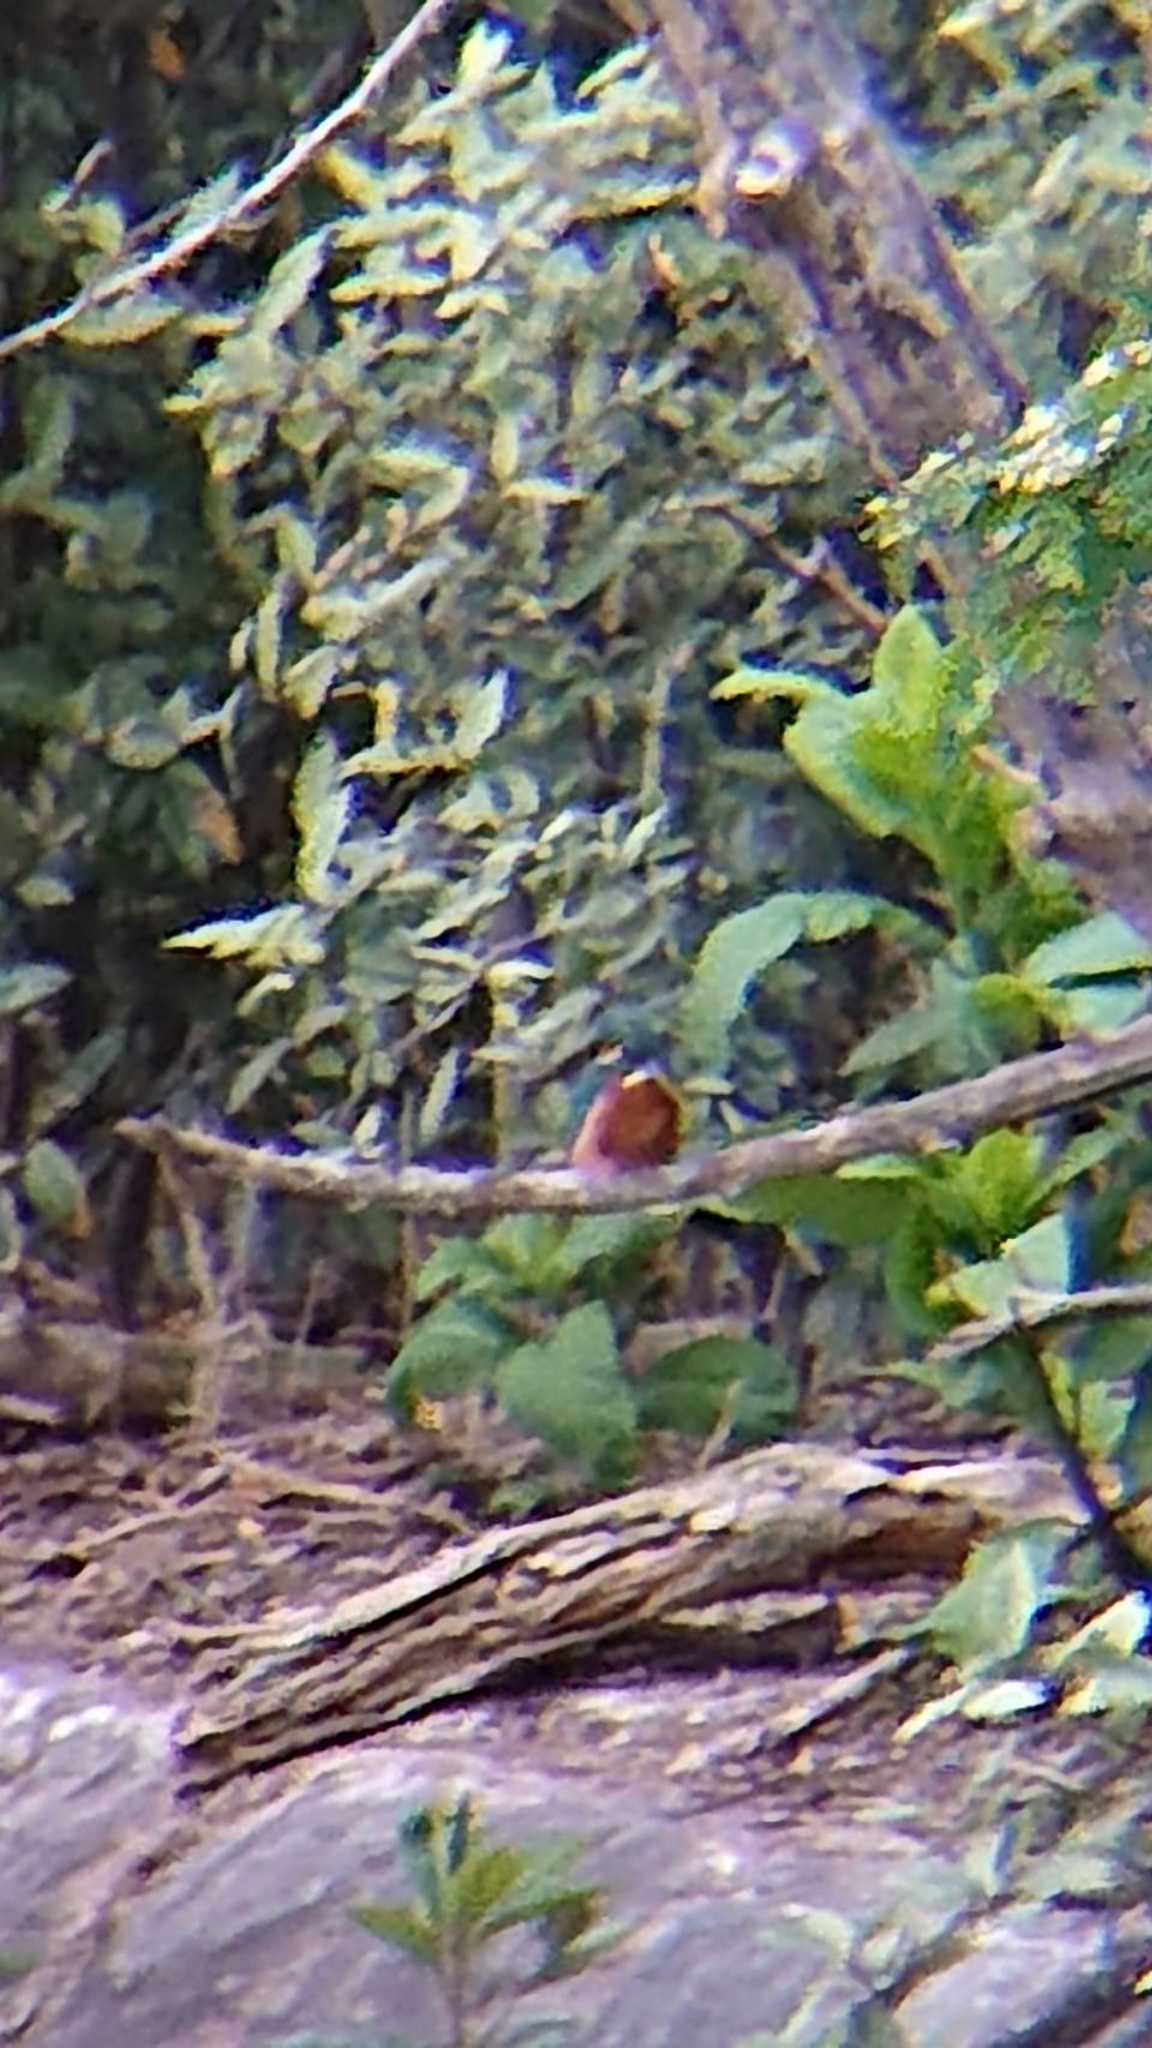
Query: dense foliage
x=445 y=630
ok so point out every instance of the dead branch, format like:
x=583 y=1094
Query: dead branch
x=244 y=205
x=939 y=1118
x=768 y=1546
x=1036 y=1311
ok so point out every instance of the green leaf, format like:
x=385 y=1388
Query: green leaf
x=910 y=666
x=1083 y=1154
x=569 y=1390
x=738 y=949
x=440 y=1095
x=1002 y=1181
x=11 y=1232
x=26 y=986
x=692 y=1388
x=597 y=1247
x=525 y=1247
x=845 y=1209
x=455 y=1346
x=1114 y=1682
x=321 y=806
x=124 y=321
x=765 y=683
x=1106 y=944
x=1039 y=1261
x=487 y=1876
x=1113 y=1348
x=283 y=937
x=1120 y=1629
x=401 y=1928
x=463 y=1262
x=902 y=1037
x=1008 y=1581
x=56 y=1188
x=290 y=282
x=78 y=1079
x=486 y=708
x=1134 y=1453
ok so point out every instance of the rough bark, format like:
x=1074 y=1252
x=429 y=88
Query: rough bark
x=796 y=1532
x=799 y=167
x=953 y=1115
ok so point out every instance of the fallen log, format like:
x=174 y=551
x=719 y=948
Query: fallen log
x=782 y=1542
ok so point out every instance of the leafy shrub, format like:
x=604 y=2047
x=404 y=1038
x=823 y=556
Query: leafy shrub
x=508 y=1326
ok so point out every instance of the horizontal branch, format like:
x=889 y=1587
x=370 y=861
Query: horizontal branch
x=942 y=1117
x=1037 y=1311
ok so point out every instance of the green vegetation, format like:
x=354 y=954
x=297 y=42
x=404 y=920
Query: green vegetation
x=447 y=631
x=471 y=1891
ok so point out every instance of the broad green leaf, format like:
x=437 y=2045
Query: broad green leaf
x=910 y=667
x=1008 y=1582
x=525 y=1247
x=1112 y=1348
x=1083 y=1154
x=1002 y=1180
x=463 y=1262
x=455 y=1346
x=569 y=1390
x=738 y=949
x=856 y=1209
x=1106 y=944
x=691 y=1389
x=1098 y=1008
x=1037 y=1262
x=601 y=1245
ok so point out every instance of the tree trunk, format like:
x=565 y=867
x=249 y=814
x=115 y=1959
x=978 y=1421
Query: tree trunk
x=798 y=167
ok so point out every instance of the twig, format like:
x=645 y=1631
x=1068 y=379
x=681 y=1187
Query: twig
x=1118 y=1554
x=949 y=1116
x=820 y=566
x=1037 y=1312
x=173 y=256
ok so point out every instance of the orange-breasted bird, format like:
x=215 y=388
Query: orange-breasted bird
x=636 y=1121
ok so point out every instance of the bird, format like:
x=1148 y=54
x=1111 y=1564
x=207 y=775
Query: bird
x=635 y=1121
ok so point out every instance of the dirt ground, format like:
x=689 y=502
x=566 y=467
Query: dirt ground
x=127 y=1553
x=131 y=1555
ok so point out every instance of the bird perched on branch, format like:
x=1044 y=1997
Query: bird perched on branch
x=636 y=1121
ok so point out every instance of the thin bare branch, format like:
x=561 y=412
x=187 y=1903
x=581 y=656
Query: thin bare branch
x=1041 y=1312
x=175 y=254
x=942 y=1117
